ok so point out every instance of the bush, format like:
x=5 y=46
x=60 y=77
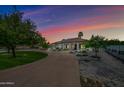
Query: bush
x=88 y=82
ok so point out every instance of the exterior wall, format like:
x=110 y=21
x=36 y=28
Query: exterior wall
x=69 y=46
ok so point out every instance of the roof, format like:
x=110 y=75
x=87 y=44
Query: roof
x=70 y=40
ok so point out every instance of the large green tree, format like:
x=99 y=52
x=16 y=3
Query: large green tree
x=11 y=29
x=14 y=30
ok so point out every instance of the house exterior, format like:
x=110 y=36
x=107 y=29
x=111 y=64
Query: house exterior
x=69 y=44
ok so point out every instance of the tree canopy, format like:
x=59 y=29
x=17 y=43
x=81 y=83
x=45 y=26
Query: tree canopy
x=14 y=30
x=95 y=42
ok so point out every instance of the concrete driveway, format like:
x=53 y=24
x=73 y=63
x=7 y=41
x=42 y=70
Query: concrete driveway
x=58 y=69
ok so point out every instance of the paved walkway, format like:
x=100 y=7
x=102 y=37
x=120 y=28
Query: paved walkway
x=58 y=69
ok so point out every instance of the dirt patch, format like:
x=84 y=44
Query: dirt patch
x=108 y=70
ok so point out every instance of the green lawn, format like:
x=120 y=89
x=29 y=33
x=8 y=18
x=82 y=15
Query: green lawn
x=23 y=57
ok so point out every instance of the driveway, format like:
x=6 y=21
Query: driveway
x=58 y=69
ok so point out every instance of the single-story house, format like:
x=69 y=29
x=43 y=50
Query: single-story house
x=69 y=44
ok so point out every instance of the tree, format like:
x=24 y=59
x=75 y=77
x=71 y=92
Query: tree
x=112 y=42
x=80 y=34
x=96 y=42
x=30 y=33
x=14 y=30
x=4 y=32
x=44 y=43
x=122 y=42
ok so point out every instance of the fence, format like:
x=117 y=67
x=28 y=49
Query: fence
x=116 y=50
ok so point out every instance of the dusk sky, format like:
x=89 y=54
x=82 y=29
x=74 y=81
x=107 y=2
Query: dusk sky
x=62 y=22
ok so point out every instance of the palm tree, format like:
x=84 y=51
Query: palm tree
x=80 y=34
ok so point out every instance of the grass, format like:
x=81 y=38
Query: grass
x=23 y=57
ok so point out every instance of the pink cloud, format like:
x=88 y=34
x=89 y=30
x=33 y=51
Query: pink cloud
x=52 y=33
x=112 y=18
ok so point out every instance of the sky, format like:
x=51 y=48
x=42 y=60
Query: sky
x=61 y=22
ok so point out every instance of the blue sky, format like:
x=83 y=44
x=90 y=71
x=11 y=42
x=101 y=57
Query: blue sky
x=58 y=22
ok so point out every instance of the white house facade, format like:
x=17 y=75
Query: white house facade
x=69 y=44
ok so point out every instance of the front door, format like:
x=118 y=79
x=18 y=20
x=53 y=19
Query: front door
x=75 y=47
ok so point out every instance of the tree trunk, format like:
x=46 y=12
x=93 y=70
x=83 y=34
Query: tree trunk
x=8 y=50
x=96 y=52
x=13 y=52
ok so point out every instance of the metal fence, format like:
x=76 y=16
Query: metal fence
x=116 y=50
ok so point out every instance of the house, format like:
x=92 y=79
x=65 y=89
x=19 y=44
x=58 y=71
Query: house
x=69 y=44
